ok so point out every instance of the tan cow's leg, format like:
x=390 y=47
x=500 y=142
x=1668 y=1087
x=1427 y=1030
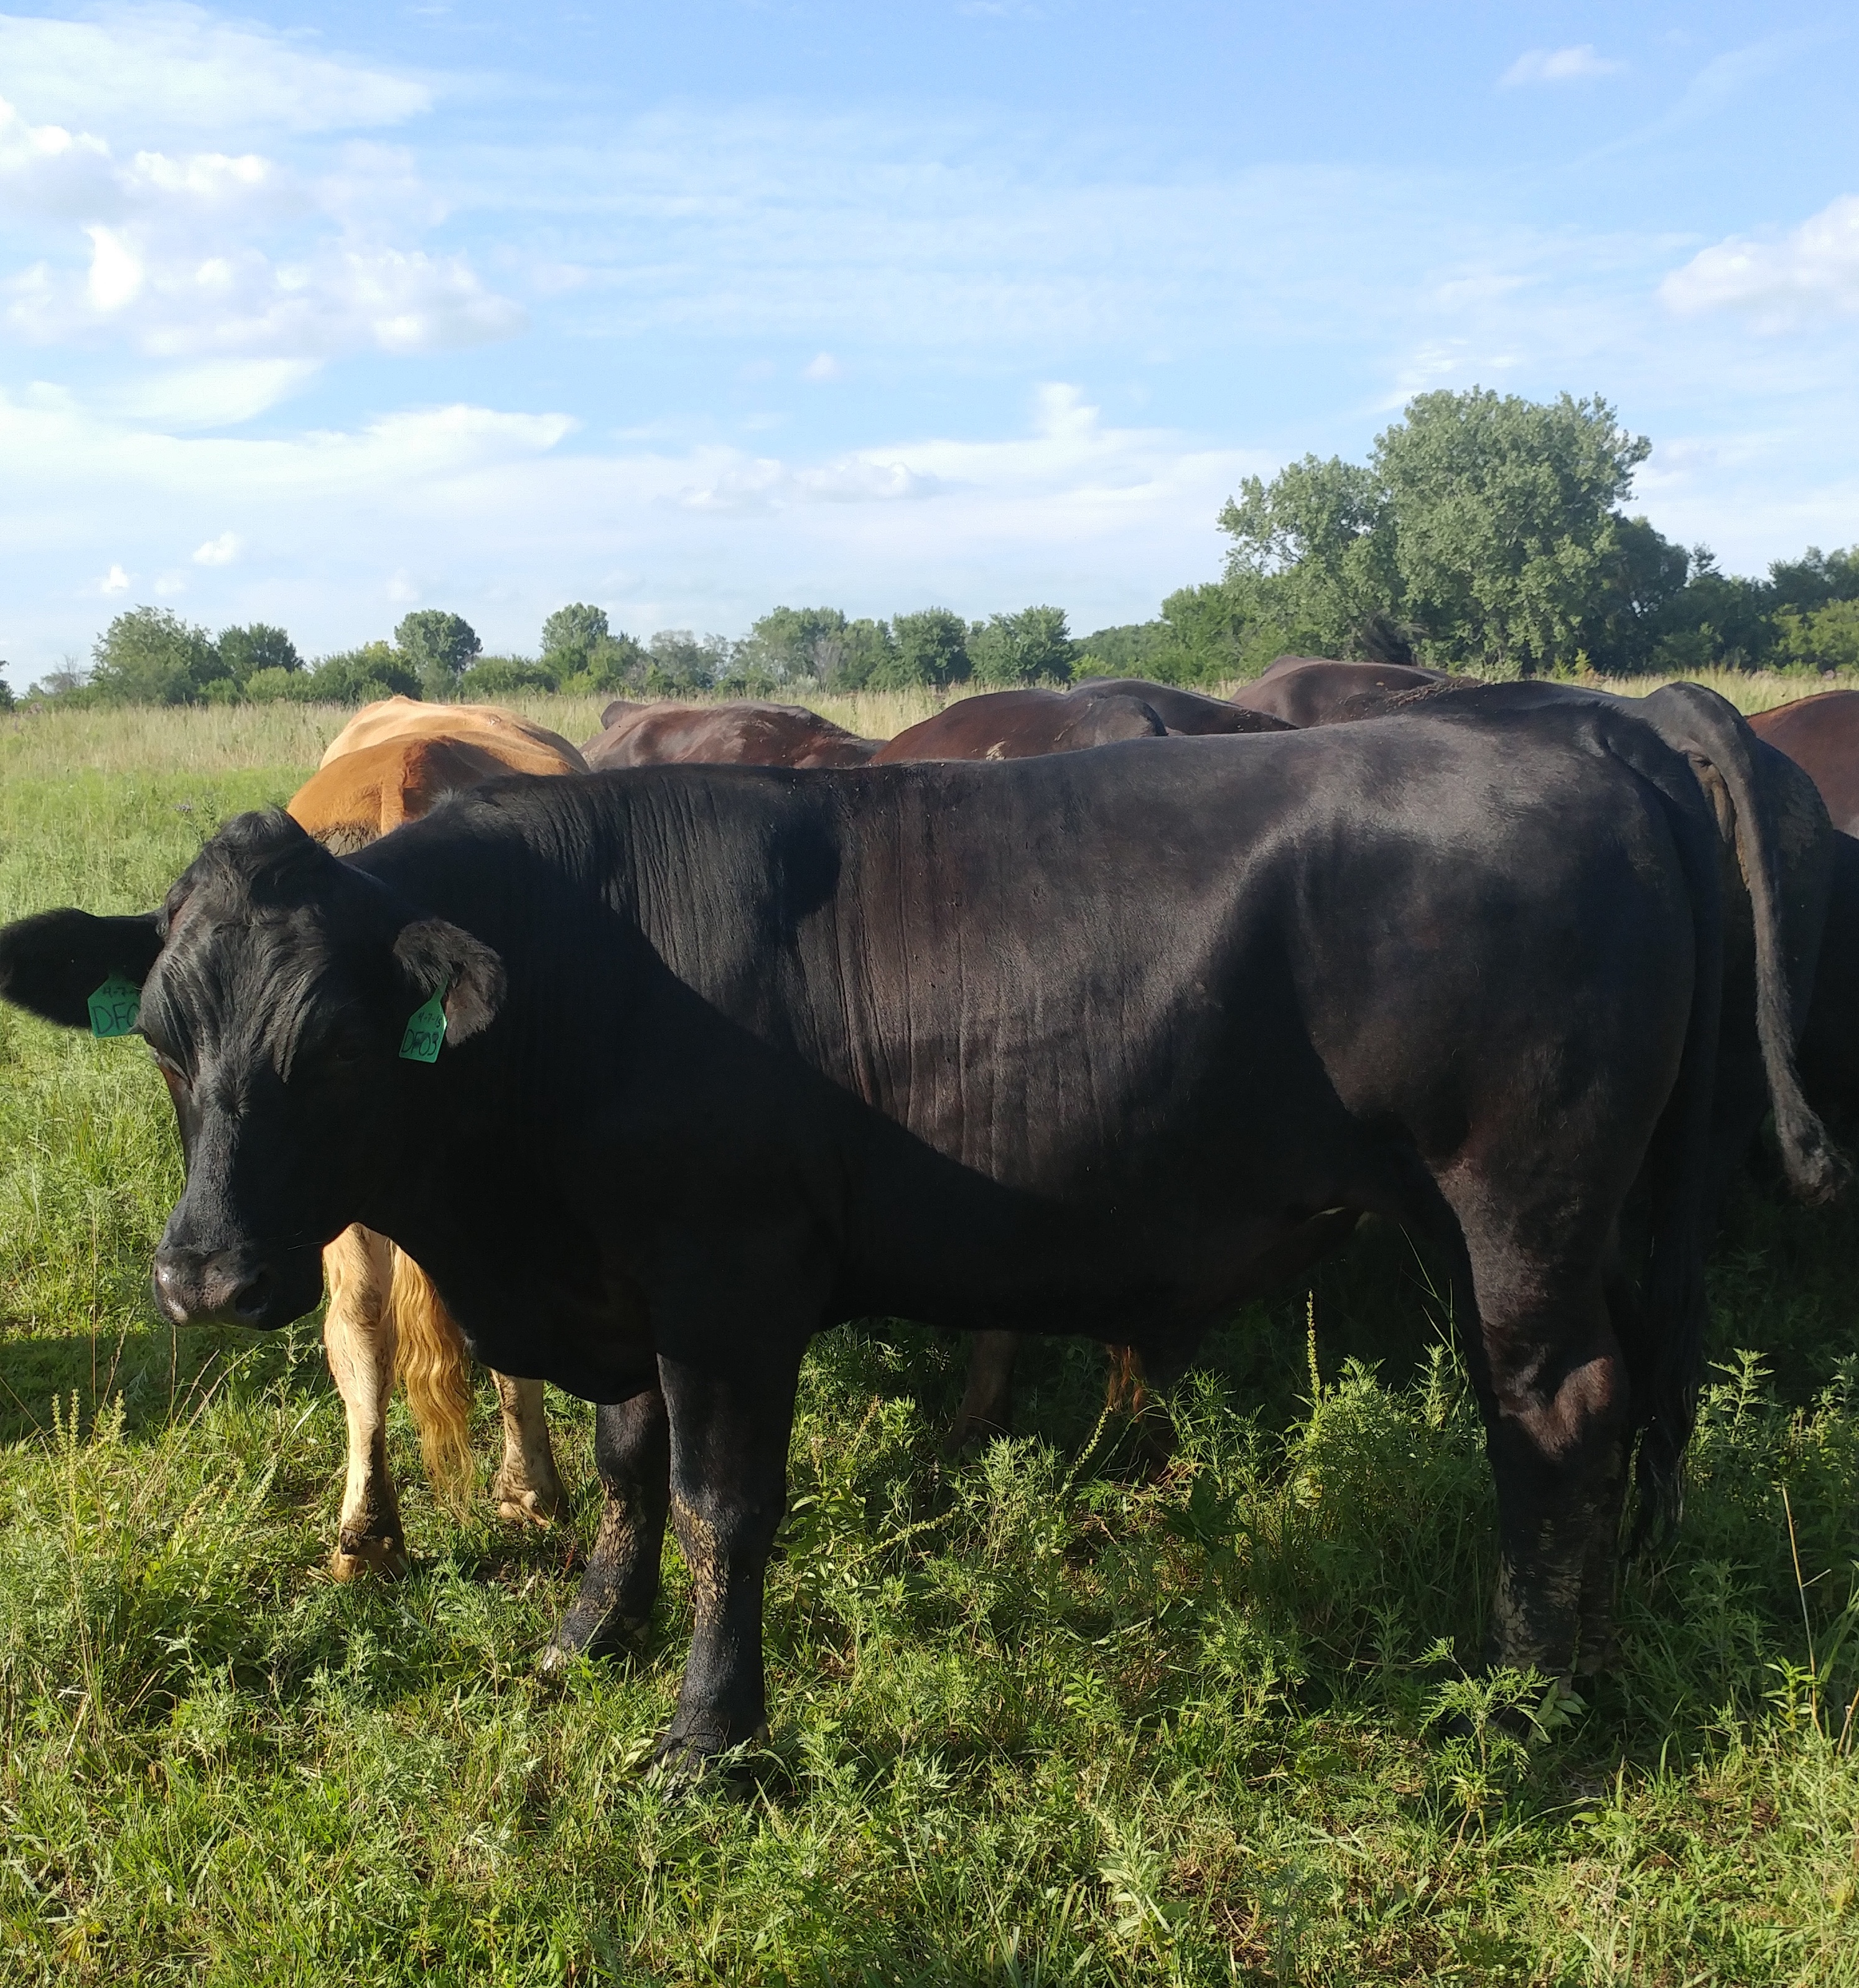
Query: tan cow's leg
x=987 y=1404
x=526 y=1487
x=358 y=1334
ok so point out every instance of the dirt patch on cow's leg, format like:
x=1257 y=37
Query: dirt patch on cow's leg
x=613 y=1607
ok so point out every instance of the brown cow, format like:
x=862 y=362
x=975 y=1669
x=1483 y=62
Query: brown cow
x=1307 y=690
x=523 y=746
x=740 y=734
x=384 y=1319
x=349 y=801
x=1027 y=724
x=1821 y=735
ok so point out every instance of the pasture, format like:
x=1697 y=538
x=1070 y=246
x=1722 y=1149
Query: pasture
x=1035 y=1718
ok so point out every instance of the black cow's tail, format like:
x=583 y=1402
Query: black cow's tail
x=1694 y=720
x=1665 y=1344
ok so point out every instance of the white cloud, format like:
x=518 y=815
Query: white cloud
x=168 y=584
x=115 y=581
x=219 y=392
x=1812 y=272
x=487 y=511
x=176 y=68
x=1569 y=65
x=221 y=551
x=821 y=368
x=174 y=290
x=116 y=274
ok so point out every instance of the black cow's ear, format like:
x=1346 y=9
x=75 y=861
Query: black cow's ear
x=435 y=955
x=53 y=963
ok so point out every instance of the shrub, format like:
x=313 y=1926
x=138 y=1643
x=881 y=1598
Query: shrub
x=279 y=685
x=1825 y=638
x=360 y=676
x=500 y=676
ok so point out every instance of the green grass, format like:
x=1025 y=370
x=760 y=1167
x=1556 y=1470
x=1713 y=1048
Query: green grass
x=1035 y=1719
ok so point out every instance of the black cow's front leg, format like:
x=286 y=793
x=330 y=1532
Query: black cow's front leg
x=730 y=1422
x=633 y=1454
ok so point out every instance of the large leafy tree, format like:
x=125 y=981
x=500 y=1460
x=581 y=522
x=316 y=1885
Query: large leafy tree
x=930 y=647
x=149 y=655
x=1506 y=528
x=789 y=642
x=257 y=646
x=570 y=633
x=579 y=648
x=1314 y=554
x=438 y=646
x=1033 y=646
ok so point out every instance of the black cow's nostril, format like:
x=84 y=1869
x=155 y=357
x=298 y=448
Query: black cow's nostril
x=252 y=1299
x=171 y=1292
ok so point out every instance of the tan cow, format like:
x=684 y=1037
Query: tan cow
x=385 y=1321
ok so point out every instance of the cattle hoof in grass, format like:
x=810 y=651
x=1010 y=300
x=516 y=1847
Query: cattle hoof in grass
x=682 y=1760
x=615 y=1638
x=524 y=1506
x=970 y=1437
x=382 y=1553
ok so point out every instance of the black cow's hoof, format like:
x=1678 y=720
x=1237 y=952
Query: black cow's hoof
x=594 y=1634
x=707 y=1753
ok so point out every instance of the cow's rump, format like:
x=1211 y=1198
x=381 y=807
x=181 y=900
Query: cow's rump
x=742 y=733
x=521 y=745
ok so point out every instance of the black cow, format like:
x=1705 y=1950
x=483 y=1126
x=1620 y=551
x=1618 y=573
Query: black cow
x=1071 y=1044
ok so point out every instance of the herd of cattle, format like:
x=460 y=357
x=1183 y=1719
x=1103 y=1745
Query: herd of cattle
x=1095 y=1011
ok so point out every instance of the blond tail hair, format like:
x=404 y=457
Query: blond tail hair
x=430 y=1360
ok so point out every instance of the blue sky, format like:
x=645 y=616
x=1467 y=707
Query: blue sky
x=311 y=316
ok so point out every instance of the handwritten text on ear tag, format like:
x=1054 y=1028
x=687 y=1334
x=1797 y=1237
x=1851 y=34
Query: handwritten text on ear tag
x=114 y=1007
x=425 y=1032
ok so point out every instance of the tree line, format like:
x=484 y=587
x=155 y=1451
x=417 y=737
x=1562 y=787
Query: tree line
x=1484 y=531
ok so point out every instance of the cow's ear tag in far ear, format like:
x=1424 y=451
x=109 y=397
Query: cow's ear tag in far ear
x=425 y=1032
x=114 y=1007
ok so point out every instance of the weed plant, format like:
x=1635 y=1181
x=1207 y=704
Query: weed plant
x=1036 y=1718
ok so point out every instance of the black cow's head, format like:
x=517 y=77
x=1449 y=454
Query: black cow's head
x=277 y=987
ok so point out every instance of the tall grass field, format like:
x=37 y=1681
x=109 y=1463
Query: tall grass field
x=1037 y=1717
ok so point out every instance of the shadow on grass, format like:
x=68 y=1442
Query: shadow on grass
x=161 y=1374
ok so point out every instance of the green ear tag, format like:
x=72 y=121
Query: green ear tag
x=425 y=1032
x=114 y=1007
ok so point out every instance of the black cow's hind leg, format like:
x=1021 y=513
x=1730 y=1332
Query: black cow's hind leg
x=1596 y=1650
x=730 y=1424
x=633 y=1454
x=1557 y=1405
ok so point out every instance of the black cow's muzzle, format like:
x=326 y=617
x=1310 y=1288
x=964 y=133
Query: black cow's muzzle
x=224 y=1287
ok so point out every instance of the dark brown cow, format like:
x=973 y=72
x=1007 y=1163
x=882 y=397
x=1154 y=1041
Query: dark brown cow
x=1308 y=690
x=1821 y=735
x=1029 y=724
x=741 y=734
x=1189 y=713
